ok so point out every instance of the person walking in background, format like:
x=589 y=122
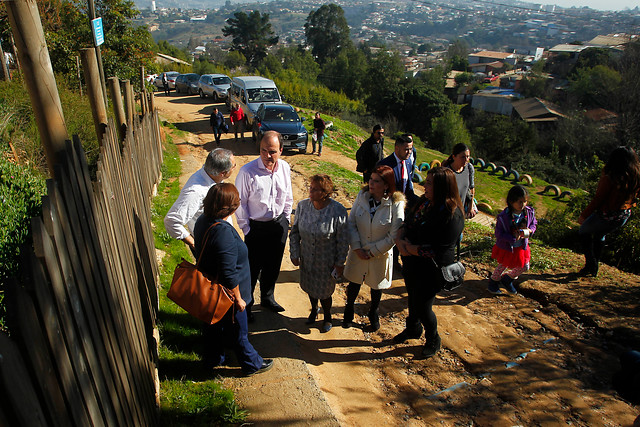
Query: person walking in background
x=426 y=242
x=165 y=84
x=318 y=244
x=216 y=121
x=237 y=119
x=263 y=216
x=370 y=153
x=181 y=218
x=458 y=162
x=318 y=130
x=616 y=194
x=374 y=221
x=223 y=254
x=514 y=226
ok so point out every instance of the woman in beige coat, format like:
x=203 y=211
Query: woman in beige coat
x=375 y=218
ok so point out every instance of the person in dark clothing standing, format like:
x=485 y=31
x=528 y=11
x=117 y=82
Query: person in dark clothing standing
x=426 y=242
x=370 y=153
x=165 y=84
x=216 y=121
x=318 y=127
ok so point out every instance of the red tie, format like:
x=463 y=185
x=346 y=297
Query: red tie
x=404 y=175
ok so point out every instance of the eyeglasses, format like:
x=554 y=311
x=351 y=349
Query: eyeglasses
x=380 y=132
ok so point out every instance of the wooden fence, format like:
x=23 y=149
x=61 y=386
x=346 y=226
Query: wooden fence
x=83 y=344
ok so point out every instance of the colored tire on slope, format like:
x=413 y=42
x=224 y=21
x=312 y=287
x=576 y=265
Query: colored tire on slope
x=526 y=179
x=435 y=163
x=553 y=188
x=424 y=166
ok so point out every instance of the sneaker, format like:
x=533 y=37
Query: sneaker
x=266 y=365
x=407 y=335
x=494 y=287
x=507 y=283
x=431 y=348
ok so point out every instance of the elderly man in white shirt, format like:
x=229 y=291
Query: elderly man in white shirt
x=182 y=216
x=266 y=200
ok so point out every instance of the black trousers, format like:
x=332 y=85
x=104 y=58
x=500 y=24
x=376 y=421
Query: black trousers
x=266 y=242
x=422 y=287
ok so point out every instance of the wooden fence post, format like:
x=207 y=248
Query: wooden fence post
x=143 y=92
x=5 y=69
x=128 y=102
x=94 y=91
x=118 y=108
x=38 y=74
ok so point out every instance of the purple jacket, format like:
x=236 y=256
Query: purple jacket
x=504 y=235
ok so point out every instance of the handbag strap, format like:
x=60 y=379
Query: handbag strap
x=204 y=245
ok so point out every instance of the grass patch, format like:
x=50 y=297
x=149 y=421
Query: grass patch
x=478 y=240
x=187 y=394
x=348 y=181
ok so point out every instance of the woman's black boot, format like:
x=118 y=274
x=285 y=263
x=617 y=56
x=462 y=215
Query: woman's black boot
x=352 y=293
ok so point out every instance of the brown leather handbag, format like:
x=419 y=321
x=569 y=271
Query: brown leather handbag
x=202 y=298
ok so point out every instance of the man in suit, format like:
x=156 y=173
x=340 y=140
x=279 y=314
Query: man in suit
x=402 y=161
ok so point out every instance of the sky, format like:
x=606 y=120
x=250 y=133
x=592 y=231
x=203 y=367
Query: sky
x=594 y=4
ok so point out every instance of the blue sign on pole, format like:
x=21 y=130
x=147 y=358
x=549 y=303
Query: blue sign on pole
x=98 y=32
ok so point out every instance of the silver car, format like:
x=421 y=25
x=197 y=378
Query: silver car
x=214 y=85
x=171 y=80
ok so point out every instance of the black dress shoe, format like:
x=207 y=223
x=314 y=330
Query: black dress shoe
x=272 y=305
x=407 y=335
x=312 y=316
x=431 y=348
x=266 y=365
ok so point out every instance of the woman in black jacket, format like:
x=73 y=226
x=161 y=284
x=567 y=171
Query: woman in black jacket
x=225 y=256
x=427 y=242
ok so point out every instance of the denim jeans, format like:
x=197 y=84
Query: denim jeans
x=313 y=144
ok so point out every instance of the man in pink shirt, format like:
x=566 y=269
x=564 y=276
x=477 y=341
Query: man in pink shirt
x=266 y=200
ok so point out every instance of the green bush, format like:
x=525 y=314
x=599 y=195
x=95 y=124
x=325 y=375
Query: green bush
x=556 y=228
x=20 y=192
x=623 y=245
x=317 y=97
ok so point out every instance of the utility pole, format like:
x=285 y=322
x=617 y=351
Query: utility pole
x=92 y=16
x=39 y=79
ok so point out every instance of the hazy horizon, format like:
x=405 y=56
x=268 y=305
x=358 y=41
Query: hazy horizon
x=595 y=4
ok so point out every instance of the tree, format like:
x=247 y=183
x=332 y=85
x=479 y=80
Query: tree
x=596 y=87
x=385 y=71
x=168 y=49
x=251 y=35
x=449 y=130
x=67 y=30
x=346 y=73
x=299 y=60
x=629 y=98
x=327 y=32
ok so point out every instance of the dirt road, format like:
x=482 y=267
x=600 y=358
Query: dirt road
x=543 y=357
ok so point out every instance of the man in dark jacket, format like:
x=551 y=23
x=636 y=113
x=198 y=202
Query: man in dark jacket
x=370 y=153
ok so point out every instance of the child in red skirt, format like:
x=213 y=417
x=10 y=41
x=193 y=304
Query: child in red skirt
x=514 y=226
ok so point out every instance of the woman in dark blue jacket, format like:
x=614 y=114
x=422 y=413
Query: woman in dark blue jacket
x=225 y=256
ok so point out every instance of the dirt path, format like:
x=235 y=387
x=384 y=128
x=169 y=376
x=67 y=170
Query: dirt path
x=543 y=357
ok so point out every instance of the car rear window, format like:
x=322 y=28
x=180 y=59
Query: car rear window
x=221 y=80
x=280 y=115
x=263 y=95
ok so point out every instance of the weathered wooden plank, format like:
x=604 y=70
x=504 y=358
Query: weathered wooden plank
x=29 y=332
x=15 y=377
x=55 y=337
x=45 y=250
x=60 y=222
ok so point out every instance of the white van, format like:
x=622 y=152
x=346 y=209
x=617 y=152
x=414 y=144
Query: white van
x=251 y=92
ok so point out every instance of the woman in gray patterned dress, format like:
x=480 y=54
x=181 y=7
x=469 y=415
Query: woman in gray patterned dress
x=319 y=242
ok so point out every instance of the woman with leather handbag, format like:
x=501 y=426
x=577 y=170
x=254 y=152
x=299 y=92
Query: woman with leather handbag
x=427 y=242
x=225 y=256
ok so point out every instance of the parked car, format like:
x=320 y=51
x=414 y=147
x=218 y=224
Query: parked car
x=187 y=83
x=171 y=79
x=283 y=119
x=214 y=85
x=251 y=91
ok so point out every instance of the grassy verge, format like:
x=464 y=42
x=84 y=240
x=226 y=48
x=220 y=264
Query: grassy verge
x=188 y=395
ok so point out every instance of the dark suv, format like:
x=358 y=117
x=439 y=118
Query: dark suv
x=283 y=119
x=187 y=83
